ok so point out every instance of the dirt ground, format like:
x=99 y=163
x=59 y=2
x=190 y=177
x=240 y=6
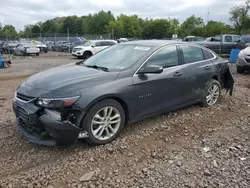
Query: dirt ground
x=193 y=147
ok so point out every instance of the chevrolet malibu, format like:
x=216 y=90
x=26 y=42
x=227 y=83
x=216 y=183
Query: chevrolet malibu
x=94 y=99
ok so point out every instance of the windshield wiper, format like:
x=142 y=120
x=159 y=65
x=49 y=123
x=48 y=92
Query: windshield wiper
x=98 y=67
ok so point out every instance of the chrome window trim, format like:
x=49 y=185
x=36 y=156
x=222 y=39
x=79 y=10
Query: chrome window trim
x=177 y=53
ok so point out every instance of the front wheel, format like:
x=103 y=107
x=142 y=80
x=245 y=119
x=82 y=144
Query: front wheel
x=212 y=93
x=87 y=55
x=104 y=122
x=240 y=70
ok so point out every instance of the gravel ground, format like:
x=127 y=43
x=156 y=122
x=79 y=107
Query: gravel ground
x=194 y=147
x=29 y=66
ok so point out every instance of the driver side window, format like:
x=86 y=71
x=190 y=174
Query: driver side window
x=165 y=57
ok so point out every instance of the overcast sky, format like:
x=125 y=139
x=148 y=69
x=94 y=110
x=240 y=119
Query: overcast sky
x=23 y=12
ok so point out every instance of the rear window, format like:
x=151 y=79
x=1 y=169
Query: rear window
x=192 y=54
x=228 y=39
x=208 y=55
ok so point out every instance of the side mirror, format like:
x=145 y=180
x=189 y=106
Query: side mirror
x=153 y=69
x=93 y=45
x=212 y=39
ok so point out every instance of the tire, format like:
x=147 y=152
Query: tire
x=37 y=54
x=211 y=84
x=87 y=55
x=240 y=70
x=90 y=127
x=22 y=53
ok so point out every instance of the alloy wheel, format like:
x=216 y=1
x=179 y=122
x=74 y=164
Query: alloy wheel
x=213 y=94
x=106 y=123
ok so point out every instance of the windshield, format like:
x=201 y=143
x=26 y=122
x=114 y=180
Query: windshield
x=88 y=43
x=118 y=57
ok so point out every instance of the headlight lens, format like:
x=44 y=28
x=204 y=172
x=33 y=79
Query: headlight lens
x=57 y=102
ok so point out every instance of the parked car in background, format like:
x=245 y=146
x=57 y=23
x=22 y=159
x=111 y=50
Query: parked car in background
x=7 y=47
x=76 y=43
x=243 y=62
x=50 y=45
x=127 y=82
x=92 y=47
x=61 y=46
x=120 y=40
x=224 y=43
x=26 y=49
x=43 y=48
x=193 y=38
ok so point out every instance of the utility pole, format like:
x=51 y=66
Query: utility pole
x=68 y=39
x=113 y=37
x=208 y=14
x=7 y=43
x=41 y=38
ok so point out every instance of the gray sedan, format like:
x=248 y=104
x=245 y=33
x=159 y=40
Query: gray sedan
x=125 y=83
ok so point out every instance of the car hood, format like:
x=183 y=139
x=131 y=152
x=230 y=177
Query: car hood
x=69 y=77
x=246 y=51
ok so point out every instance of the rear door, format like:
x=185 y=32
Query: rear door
x=198 y=70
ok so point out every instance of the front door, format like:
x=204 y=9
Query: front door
x=156 y=92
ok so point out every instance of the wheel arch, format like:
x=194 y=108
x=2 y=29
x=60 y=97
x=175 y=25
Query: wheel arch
x=88 y=51
x=115 y=97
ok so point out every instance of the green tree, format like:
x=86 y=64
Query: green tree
x=27 y=32
x=49 y=26
x=10 y=31
x=36 y=29
x=214 y=28
x=158 y=29
x=240 y=18
x=1 y=31
x=74 y=24
x=190 y=25
x=126 y=26
x=98 y=23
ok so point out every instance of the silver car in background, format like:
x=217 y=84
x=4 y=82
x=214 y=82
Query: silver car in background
x=243 y=62
x=26 y=49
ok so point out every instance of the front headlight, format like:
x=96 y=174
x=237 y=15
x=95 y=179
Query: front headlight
x=56 y=102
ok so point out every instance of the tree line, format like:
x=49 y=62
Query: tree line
x=132 y=26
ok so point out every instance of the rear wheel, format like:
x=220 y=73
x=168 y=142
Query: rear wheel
x=212 y=93
x=104 y=122
x=240 y=70
x=37 y=54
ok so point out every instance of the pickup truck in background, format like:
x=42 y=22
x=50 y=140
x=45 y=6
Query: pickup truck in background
x=223 y=44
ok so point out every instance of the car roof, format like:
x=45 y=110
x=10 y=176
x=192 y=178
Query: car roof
x=154 y=43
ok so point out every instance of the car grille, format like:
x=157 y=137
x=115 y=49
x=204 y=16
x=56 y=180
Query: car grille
x=22 y=114
x=247 y=60
x=24 y=97
x=76 y=49
x=34 y=130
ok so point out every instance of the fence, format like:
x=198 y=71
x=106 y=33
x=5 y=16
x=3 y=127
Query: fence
x=54 y=37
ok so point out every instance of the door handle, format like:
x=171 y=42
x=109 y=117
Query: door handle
x=207 y=68
x=177 y=74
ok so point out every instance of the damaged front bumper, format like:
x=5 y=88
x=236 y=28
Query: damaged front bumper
x=44 y=127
